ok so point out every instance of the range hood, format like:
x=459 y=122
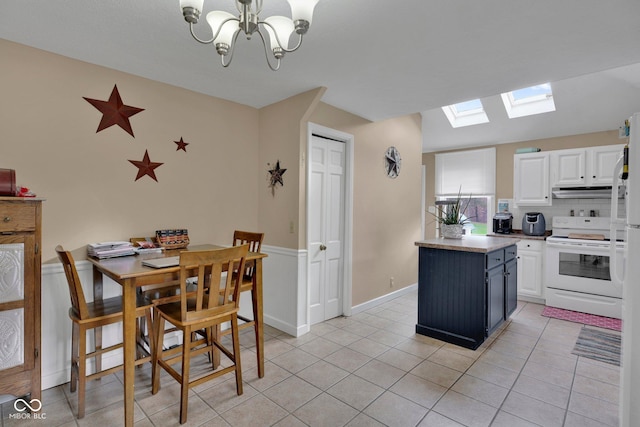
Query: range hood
x=585 y=193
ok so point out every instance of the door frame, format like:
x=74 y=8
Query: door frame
x=348 y=140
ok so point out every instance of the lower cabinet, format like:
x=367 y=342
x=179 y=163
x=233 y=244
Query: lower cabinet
x=531 y=270
x=463 y=296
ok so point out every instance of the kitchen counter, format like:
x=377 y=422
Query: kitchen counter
x=482 y=244
x=518 y=234
x=466 y=287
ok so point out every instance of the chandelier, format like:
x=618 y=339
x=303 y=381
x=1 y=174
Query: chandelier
x=226 y=27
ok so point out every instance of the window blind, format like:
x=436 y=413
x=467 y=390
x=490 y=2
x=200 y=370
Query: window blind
x=473 y=171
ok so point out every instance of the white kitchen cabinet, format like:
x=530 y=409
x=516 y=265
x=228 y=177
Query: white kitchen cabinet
x=568 y=167
x=584 y=167
x=531 y=179
x=601 y=163
x=530 y=270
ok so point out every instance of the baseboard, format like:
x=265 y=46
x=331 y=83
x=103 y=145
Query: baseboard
x=384 y=298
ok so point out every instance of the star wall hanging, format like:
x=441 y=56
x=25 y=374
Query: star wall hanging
x=146 y=167
x=276 y=176
x=114 y=112
x=181 y=145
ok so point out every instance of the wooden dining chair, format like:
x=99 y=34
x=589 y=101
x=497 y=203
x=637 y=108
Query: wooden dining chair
x=254 y=240
x=199 y=309
x=94 y=315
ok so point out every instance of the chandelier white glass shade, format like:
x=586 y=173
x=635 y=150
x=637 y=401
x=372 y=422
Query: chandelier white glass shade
x=226 y=27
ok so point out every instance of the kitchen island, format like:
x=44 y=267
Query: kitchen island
x=466 y=288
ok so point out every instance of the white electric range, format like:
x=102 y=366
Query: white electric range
x=577 y=266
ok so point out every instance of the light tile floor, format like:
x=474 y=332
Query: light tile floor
x=371 y=369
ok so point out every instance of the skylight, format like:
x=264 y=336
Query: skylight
x=529 y=101
x=465 y=113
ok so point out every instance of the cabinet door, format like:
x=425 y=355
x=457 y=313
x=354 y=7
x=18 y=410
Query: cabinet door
x=530 y=269
x=602 y=161
x=531 y=179
x=495 y=298
x=510 y=287
x=568 y=168
x=17 y=321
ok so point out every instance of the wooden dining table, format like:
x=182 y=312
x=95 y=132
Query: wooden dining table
x=131 y=274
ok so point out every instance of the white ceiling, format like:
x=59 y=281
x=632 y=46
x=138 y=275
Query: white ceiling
x=377 y=59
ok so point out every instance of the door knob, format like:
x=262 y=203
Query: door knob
x=322 y=247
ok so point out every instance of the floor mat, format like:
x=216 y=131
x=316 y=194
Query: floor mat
x=584 y=318
x=598 y=345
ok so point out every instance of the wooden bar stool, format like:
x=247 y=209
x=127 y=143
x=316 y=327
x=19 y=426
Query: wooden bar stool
x=93 y=315
x=200 y=310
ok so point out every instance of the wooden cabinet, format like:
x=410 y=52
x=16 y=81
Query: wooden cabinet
x=584 y=167
x=20 y=237
x=510 y=281
x=531 y=179
x=463 y=296
x=530 y=270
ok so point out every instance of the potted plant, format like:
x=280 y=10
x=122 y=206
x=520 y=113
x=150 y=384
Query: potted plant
x=452 y=218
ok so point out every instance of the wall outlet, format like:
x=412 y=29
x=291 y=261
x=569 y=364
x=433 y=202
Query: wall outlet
x=431 y=209
x=391 y=282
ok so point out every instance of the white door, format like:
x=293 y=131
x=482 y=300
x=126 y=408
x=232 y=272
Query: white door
x=326 y=228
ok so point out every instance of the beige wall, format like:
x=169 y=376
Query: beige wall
x=48 y=135
x=504 y=162
x=281 y=139
x=386 y=212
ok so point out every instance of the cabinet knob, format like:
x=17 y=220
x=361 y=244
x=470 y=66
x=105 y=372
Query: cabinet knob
x=6 y=219
x=594 y=176
x=323 y=247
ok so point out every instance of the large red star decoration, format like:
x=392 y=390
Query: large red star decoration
x=181 y=145
x=146 y=167
x=114 y=112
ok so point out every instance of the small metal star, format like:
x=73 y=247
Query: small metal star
x=114 y=112
x=276 y=175
x=146 y=166
x=181 y=145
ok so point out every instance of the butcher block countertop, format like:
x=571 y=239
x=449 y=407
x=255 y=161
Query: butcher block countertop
x=482 y=244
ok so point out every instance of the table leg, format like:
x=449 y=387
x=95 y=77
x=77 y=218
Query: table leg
x=256 y=298
x=129 y=341
x=97 y=332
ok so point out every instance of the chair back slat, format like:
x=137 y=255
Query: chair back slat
x=254 y=240
x=78 y=302
x=211 y=267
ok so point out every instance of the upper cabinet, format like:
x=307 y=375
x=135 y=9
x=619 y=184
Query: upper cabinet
x=584 y=167
x=531 y=179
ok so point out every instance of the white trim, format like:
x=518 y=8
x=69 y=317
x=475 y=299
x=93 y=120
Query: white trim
x=383 y=299
x=347 y=284
x=284 y=290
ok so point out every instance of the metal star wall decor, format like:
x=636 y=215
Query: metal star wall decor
x=276 y=176
x=181 y=145
x=114 y=112
x=146 y=167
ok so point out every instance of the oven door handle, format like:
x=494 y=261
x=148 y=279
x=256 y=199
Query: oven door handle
x=571 y=245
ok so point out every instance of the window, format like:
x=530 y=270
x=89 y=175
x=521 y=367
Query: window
x=472 y=172
x=477 y=212
x=529 y=101
x=465 y=113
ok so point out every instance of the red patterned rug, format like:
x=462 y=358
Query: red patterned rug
x=584 y=318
